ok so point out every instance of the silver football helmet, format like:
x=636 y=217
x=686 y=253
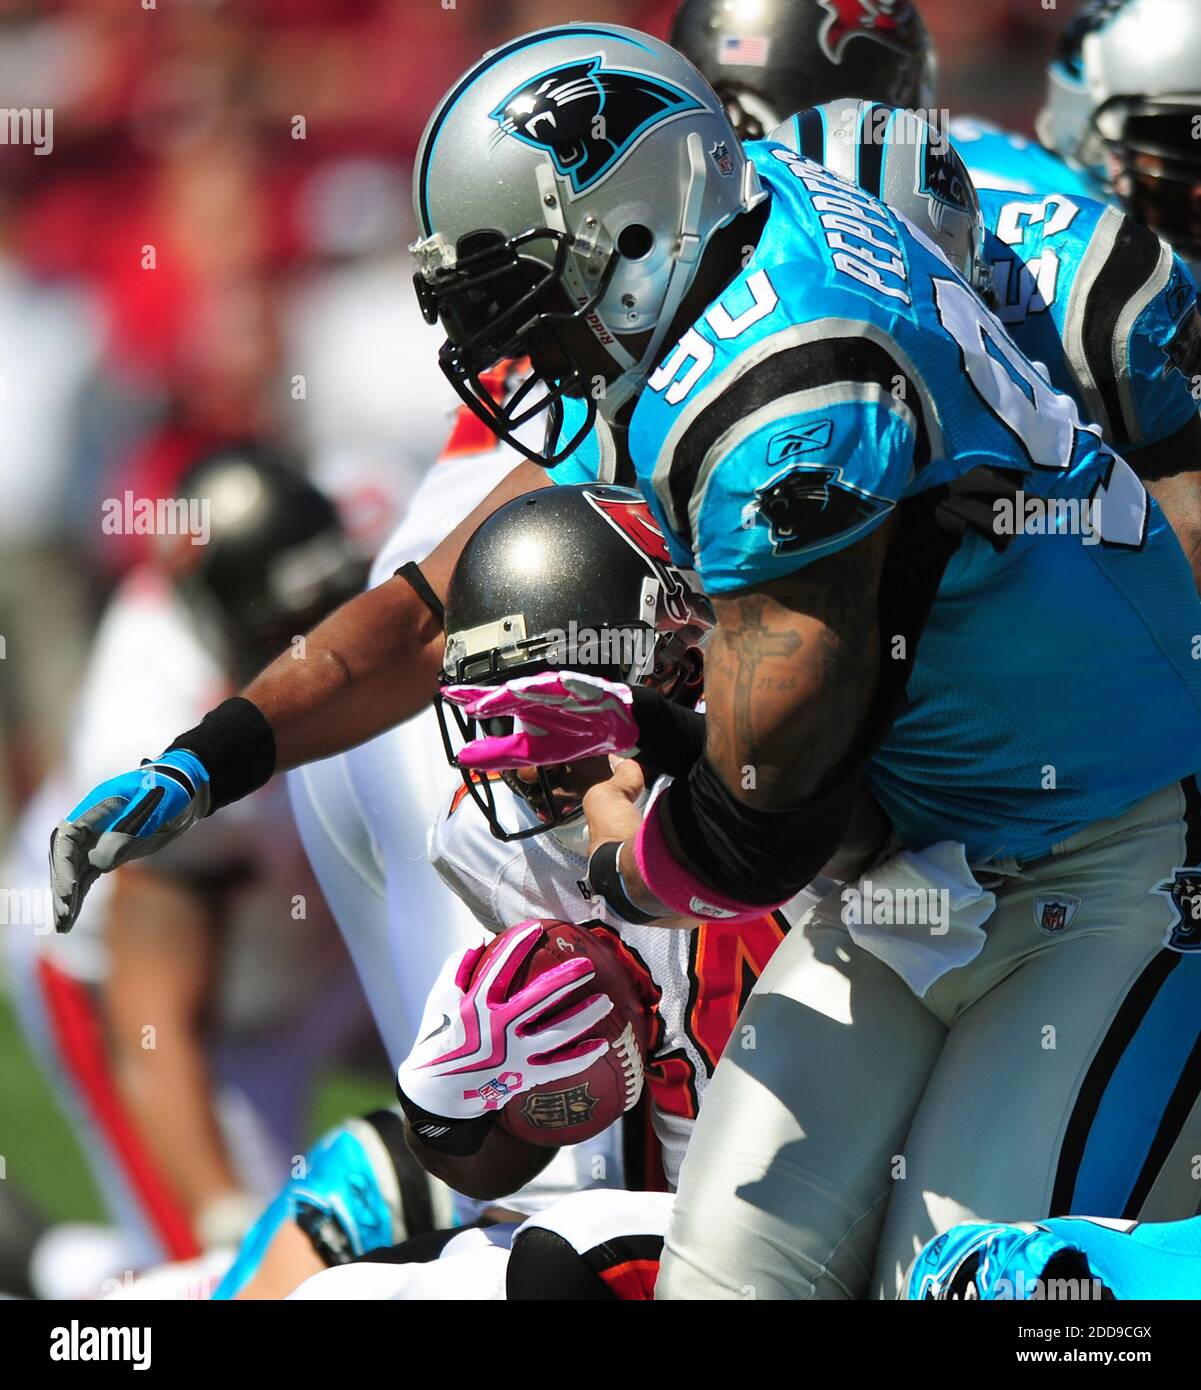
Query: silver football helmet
x=572 y=177
x=908 y=165
x=1123 y=99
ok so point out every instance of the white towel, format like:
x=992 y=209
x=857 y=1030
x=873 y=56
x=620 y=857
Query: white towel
x=921 y=913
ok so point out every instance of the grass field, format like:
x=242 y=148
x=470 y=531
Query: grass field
x=39 y=1153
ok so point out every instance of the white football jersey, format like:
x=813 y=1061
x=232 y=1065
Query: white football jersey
x=703 y=975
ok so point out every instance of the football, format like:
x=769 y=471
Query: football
x=579 y=1107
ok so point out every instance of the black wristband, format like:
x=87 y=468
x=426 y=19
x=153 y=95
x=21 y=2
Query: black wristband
x=670 y=737
x=604 y=879
x=236 y=746
x=420 y=585
x=459 y=1138
x=326 y=1235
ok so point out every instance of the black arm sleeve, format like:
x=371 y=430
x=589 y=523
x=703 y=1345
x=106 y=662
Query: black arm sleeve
x=753 y=856
x=670 y=737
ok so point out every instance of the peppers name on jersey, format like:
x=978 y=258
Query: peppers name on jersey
x=848 y=369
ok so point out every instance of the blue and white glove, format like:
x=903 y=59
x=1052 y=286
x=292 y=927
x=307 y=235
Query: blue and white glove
x=347 y=1202
x=125 y=818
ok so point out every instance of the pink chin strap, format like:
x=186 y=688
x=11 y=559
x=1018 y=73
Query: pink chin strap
x=677 y=887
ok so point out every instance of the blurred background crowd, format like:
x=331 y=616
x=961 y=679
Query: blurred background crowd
x=213 y=248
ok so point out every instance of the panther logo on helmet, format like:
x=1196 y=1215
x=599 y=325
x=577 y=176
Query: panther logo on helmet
x=882 y=20
x=588 y=118
x=945 y=179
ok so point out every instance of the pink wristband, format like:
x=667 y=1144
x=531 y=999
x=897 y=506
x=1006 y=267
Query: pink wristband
x=679 y=889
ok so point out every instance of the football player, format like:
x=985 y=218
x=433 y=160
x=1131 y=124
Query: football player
x=1106 y=308
x=766 y=59
x=852 y=376
x=1123 y=108
x=769 y=58
x=181 y=1024
x=603 y=599
x=764 y=444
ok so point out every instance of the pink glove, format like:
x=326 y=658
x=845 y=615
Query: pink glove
x=477 y=1045
x=558 y=717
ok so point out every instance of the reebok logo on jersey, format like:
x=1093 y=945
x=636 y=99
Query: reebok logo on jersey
x=803 y=439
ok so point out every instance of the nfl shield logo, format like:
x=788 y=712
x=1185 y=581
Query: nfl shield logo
x=720 y=155
x=1184 y=891
x=1055 y=914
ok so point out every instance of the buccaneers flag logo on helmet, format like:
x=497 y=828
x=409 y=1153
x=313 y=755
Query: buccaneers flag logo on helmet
x=882 y=20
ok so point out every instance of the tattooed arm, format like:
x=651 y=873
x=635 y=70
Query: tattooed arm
x=790 y=674
x=789 y=677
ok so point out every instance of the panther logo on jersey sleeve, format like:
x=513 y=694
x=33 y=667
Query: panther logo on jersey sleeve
x=588 y=118
x=809 y=501
x=882 y=20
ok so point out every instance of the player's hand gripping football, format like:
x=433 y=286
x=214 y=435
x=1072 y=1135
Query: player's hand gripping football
x=127 y=817
x=558 y=717
x=481 y=1041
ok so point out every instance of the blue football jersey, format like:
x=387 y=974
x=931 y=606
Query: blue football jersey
x=847 y=368
x=1000 y=159
x=1104 y=305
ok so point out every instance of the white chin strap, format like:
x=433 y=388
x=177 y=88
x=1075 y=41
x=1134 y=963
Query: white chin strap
x=688 y=242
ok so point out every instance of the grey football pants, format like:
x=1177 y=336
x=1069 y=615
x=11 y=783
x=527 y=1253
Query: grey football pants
x=849 y=1121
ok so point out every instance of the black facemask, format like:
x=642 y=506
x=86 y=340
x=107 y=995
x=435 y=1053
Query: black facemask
x=496 y=303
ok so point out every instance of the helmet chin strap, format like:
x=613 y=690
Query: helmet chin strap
x=686 y=260
x=684 y=264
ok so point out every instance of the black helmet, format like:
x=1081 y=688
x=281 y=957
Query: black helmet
x=574 y=578
x=769 y=58
x=273 y=557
